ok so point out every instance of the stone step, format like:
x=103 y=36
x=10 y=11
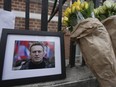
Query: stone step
x=82 y=83
x=78 y=76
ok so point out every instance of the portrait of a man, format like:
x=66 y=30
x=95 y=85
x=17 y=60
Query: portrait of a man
x=33 y=55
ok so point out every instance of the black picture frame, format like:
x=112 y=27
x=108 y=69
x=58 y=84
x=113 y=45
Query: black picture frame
x=10 y=77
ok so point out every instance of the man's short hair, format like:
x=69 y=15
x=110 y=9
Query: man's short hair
x=37 y=43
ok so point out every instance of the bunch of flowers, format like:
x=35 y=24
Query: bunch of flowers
x=106 y=10
x=79 y=10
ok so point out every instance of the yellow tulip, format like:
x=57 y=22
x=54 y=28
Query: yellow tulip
x=82 y=5
x=65 y=21
x=65 y=18
x=78 y=8
x=79 y=2
x=86 y=5
x=74 y=4
x=73 y=9
x=67 y=12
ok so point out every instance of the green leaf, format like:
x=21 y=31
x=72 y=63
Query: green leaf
x=87 y=12
x=73 y=19
x=101 y=17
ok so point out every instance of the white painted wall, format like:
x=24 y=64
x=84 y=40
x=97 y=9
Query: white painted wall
x=32 y=15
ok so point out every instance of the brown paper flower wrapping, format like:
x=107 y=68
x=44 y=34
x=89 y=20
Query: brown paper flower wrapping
x=97 y=50
x=110 y=25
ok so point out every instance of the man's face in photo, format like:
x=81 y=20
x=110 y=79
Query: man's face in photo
x=37 y=53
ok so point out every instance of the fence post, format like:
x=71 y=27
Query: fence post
x=7 y=5
x=44 y=15
x=72 y=50
x=27 y=15
x=60 y=15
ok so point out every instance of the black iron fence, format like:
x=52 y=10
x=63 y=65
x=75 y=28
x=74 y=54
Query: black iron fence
x=44 y=13
x=44 y=20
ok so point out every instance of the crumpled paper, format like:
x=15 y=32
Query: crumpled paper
x=97 y=50
x=7 y=20
x=110 y=25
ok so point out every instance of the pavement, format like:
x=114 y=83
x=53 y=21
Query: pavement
x=78 y=76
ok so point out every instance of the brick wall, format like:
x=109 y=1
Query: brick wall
x=19 y=5
x=35 y=24
x=1 y=3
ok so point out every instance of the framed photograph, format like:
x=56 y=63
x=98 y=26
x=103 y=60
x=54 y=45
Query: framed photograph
x=31 y=57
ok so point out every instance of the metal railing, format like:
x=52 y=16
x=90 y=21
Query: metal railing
x=44 y=20
x=44 y=13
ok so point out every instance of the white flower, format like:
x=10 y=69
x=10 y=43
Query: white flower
x=108 y=4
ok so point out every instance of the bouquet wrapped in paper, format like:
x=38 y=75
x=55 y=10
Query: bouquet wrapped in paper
x=93 y=39
x=106 y=10
x=110 y=25
x=107 y=15
x=97 y=50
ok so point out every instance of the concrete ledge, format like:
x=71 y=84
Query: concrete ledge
x=83 y=83
x=76 y=77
